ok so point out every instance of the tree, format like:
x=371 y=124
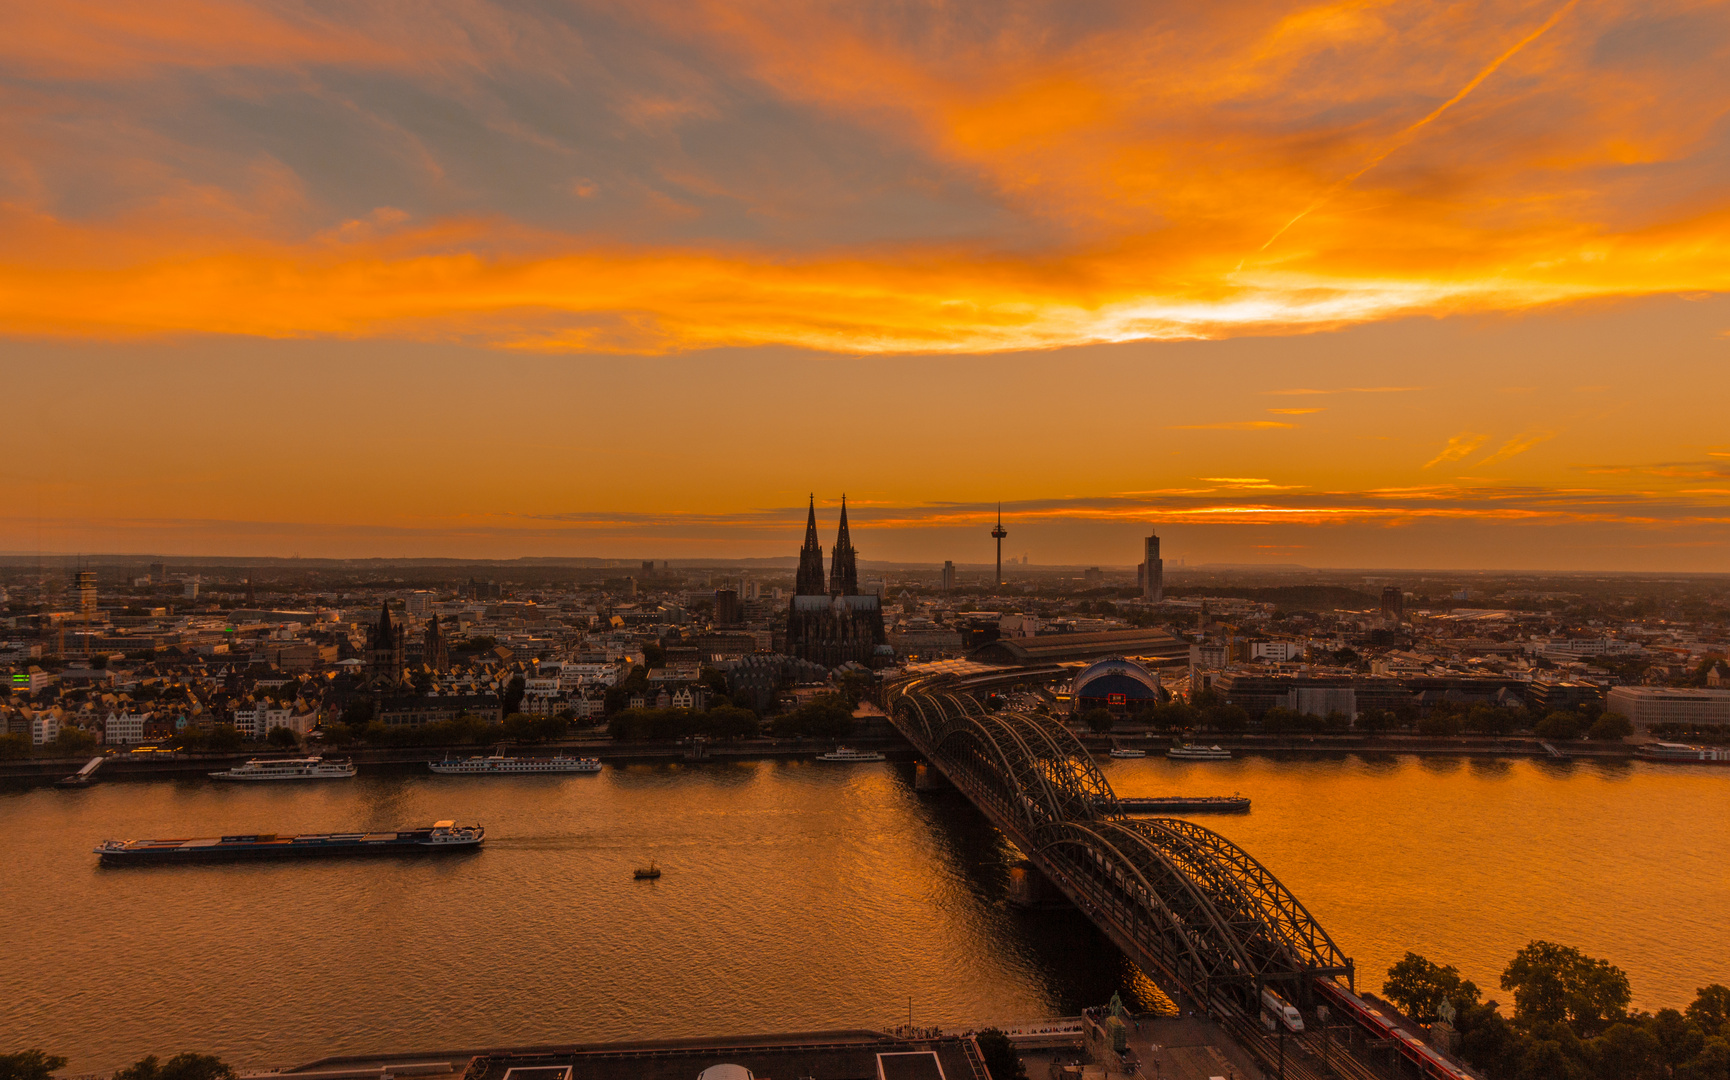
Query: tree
x=222 y=737
x=999 y=1055
x=29 y=1065
x=1629 y=1052
x=1711 y=1063
x=14 y=747
x=1440 y=723
x=178 y=1067
x=1546 y=1060
x=1561 y=725
x=1557 y=984
x=1419 y=987
x=1711 y=1009
x=282 y=738
x=1610 y=726
x=1098 y=720
x=73 y=740
x=1678 y=1037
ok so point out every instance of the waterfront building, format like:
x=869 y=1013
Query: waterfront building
x=124 y=729
x=1645 y=706
x=419 y=711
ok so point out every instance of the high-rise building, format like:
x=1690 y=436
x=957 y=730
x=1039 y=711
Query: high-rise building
x=1152 y=571
x=727 y=608
x=648 y=568
x=419 y=602
x=1393 y=604
x=948 y=576
x=87 y=594
x=158 y=573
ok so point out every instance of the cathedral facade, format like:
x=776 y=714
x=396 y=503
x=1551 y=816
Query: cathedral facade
x=828 y=621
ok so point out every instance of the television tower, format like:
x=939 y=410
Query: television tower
x=999 y=533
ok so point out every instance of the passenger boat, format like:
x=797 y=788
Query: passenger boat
x=842 y=753
x=1189 y=752
x=498 y=764
x=1121 y=752
x=307 y=768
x=1669 y=751
x=443 y=836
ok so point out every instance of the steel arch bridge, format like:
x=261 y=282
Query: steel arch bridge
x=1183 y=901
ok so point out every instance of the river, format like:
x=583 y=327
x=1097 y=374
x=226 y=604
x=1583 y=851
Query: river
x=796 y=895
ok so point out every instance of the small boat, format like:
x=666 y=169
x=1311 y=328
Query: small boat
x=1190 y=752
x=1120 y=752
x=842 y=753
x=647 y=873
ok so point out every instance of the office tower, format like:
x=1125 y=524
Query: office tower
x=1152 y=571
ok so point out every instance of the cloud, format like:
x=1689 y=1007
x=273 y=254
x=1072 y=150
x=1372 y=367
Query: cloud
x=1519 y=444
x=1302 y=392
x=1233 y=425
x=1295 y=412
x=1459 y=446
x=854 y=178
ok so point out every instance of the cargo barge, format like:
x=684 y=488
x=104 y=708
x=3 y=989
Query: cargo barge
x=1179 y=804
x=443 y=836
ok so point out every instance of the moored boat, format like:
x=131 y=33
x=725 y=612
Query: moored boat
x=1123 y=752
x=307 y=768
x=1191 y=752
x=1682 y=752
x=441 y=837
x=843 y=753
x=498 y=764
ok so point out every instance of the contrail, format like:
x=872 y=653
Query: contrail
x=1405 y=136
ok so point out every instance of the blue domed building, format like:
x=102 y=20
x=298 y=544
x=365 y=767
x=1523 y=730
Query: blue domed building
x=1115 y=683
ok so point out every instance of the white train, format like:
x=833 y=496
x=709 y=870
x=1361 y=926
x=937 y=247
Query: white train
x=1282 y=1011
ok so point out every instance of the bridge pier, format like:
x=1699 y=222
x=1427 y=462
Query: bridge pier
x=1028 y=887
x=927 y=778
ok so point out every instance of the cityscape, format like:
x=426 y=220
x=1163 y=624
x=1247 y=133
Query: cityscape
x=927 y=541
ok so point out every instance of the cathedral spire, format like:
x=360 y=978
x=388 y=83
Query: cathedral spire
x=844 y=568
x=810 y=579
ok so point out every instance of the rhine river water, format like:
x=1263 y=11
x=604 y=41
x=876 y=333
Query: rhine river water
x=796 y=895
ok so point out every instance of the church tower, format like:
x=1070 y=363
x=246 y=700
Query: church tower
x=436 y=655
x=844 y=569
x=384 y=652
x=810 y=579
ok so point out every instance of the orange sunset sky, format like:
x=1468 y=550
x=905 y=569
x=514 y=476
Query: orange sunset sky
x=1355 y=284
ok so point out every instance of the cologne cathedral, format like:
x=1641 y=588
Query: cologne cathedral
x=830 y=623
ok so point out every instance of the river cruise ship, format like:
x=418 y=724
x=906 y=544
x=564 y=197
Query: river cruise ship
x=1190 y=752
x=1125 y=752
x=307 y=768
x=442 y=837
x=1669 y=751
x=499 y=765
x=842 y=753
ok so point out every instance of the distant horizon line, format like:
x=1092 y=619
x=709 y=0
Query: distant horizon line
x=790 y=562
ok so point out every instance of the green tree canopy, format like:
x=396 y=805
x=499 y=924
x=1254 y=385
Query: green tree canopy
x=29 y=1065
x=178 y=1067
x=282 y=738
x=1419 y=987
x=1610 y=726
x=1711 y=1009
x=1559 y=984
x=999 y=1055
x=1098 y=720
